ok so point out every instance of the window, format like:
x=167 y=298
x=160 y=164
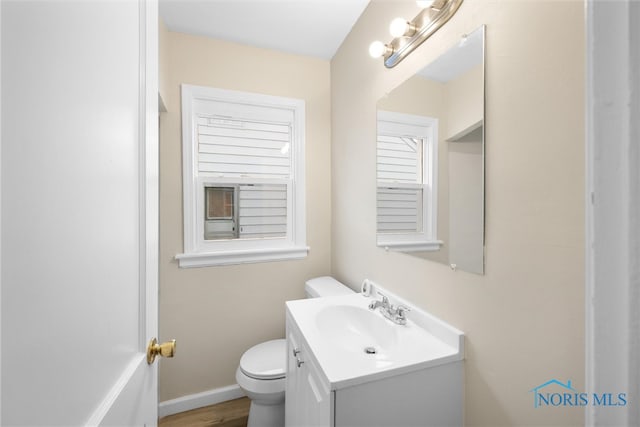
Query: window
x=407 y=156
x=243 y=177
x=221 y=220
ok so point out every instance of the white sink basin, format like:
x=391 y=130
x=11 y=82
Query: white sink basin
x=353 y=344
x=355 y=329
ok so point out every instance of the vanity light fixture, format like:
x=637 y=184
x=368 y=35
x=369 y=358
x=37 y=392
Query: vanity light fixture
x=408 y=35
x=400 y=27
x=378 y=49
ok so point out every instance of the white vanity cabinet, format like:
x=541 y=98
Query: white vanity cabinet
x=431 y=396
x=308 y=396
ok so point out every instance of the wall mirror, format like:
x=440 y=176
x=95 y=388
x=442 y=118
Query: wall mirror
x=430 y=160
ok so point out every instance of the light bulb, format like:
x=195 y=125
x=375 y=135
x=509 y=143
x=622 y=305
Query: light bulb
x=398 y=27
x=423 y=4
x=378 y=49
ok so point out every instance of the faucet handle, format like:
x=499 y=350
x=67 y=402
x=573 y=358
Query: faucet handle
x=384 y=303
x=402 y=310
x=384 y=297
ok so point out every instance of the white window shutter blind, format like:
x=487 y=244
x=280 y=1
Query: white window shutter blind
x=399 y=159
x=399 y=210
x=263 y=211
x=232 y=147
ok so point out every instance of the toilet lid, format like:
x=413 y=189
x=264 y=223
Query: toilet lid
x=266 y=361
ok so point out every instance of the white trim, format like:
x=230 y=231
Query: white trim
x=150 y=176
x=612 y=259
x=146 y=377
x=199 y=252
x=150 y=210
x=241 y=257
x=0 y=211
x=418 y=246
x=124 y=397
x=199 y=400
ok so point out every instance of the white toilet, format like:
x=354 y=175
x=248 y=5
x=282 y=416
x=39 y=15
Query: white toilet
x=261 y=374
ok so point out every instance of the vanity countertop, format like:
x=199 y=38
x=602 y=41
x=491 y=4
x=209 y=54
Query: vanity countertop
x=353 y=344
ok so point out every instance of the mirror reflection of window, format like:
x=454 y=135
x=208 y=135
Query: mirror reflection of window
x=406 y=174
x=400 y=170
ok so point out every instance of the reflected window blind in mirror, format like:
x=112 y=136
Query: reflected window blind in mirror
x=406 y=164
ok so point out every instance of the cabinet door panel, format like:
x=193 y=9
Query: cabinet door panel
x=308 y=398
x=317 y=397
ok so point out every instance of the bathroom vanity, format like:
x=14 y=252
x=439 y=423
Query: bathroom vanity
x=348 y=365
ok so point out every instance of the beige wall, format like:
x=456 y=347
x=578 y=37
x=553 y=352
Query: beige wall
x=465 y=111
x=466 y=225
x=217 y=313
x=524 y=318
x=464 y=102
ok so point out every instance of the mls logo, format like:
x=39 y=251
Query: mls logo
x=543 y=398
x=556 y=393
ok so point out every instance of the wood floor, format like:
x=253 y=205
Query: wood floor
x=233 y=413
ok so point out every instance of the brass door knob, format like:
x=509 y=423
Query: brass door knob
x=166 y=349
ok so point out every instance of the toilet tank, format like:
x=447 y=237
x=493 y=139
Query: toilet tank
x=325 y=286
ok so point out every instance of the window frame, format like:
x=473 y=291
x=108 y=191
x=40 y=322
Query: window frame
x=425 y=240
x=199 y=252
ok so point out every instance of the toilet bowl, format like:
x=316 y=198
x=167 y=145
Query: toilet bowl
x=261 y=376
x=261 y=373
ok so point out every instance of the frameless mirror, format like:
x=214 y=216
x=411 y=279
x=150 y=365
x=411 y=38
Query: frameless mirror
x=430 y=160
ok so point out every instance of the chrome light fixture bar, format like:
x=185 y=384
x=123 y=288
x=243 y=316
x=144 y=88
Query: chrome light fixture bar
x=408 y=35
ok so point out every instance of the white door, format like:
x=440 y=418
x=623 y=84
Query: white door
x=612 y=267
x=79 y=211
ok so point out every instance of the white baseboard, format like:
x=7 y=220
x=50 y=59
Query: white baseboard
x=199 y=400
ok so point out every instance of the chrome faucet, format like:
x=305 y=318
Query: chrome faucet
x=384 y=303
x=397 y=314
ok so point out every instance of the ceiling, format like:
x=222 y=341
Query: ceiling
x=314 y=28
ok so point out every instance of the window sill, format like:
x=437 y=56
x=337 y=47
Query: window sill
x=209 y=259
x=420 y=246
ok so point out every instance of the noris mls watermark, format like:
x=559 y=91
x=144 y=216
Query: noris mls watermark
x=556 y=393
